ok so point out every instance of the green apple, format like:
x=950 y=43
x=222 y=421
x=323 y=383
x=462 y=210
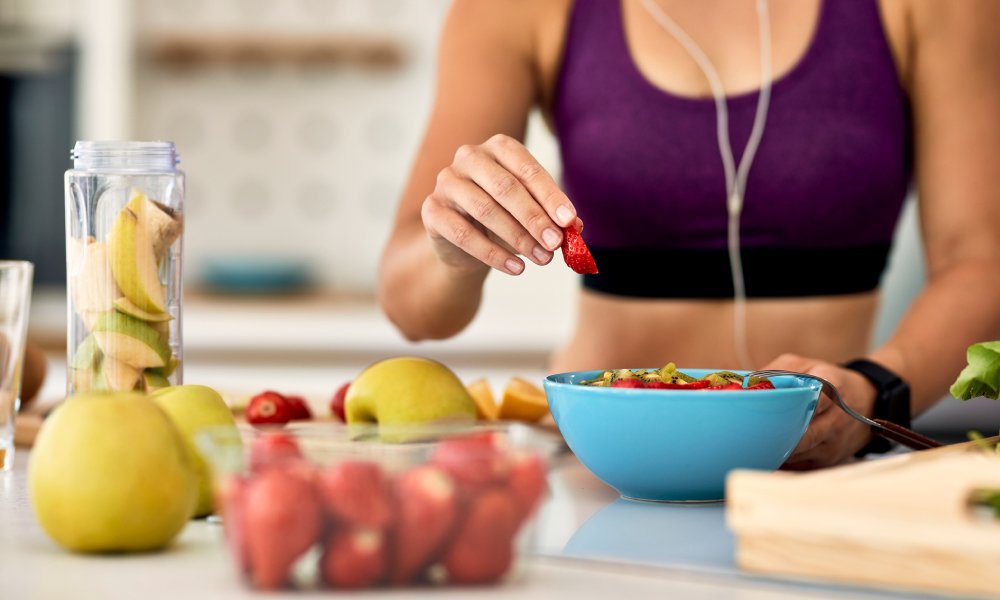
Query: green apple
x=193 y=408
x=109 y=473
x=130 y=340
x=405 y=391
x=133 y=260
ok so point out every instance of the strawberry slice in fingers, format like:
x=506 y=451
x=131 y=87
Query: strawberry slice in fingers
x=576 y=254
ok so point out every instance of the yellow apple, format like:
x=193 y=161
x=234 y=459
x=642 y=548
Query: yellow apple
x=193 y=408
x=408 y=390
x=109 y=473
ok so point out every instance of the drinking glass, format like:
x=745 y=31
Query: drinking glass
x=15 y=301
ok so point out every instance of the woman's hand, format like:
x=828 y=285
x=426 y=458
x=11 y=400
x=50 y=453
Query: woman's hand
x=493 y=203
x=833 y=436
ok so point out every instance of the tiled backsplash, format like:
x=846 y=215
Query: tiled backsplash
x=303 y=162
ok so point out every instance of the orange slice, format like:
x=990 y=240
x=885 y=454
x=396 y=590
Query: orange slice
x=486 y=406
x=523 y=401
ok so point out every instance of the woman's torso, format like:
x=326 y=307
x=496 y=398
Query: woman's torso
x=622 y=330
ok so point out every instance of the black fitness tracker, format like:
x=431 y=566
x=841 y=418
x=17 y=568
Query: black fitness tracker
x=892 y=400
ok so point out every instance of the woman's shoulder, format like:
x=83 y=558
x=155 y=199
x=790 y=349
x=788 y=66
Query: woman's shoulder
x=526 y=15
x=964 y=23
x=529 y=31
x=960 y=37
x=537 y=24
x=916 y=27
x=968 y=13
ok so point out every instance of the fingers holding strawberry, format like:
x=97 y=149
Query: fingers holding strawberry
x=494 y=204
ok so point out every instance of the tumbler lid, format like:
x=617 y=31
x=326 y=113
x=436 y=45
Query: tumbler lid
x=125 y=156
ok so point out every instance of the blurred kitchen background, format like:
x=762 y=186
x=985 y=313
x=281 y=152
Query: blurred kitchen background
x=296 y=121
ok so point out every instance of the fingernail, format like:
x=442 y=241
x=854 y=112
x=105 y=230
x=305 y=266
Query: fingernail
x=565 y=215
x=551 y=238
x=513 y=266
x=541 y=254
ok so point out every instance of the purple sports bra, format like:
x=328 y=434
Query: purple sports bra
x=824 y=193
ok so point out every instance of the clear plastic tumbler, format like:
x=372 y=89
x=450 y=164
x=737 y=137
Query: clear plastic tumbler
x=15 y=300
x=124 y=219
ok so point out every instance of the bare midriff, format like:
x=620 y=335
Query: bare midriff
x=620 y=332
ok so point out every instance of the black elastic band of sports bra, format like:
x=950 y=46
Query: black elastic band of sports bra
x=768 y=272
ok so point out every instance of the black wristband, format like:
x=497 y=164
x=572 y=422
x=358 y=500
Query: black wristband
x=892 y=400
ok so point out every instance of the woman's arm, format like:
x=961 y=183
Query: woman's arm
x=956 y=104
x=475 y=198
x=955 y=90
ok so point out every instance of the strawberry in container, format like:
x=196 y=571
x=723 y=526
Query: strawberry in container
x=317 y=511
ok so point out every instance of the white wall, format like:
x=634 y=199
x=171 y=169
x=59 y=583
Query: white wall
x=292 y=161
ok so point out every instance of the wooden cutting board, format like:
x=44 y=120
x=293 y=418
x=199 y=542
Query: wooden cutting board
x=26 y=426
x=904 y=522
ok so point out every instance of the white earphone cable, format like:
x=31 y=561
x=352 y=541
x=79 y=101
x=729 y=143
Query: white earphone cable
x=736 y=176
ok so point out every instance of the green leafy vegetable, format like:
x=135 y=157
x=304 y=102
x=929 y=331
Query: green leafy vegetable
x=982 y=376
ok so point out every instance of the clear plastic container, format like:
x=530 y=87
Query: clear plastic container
x=124 y=220
x=335 y=508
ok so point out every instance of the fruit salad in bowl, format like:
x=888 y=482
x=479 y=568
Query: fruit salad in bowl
x=672 y=435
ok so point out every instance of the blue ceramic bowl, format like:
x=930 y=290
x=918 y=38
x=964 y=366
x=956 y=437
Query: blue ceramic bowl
x=679 y=445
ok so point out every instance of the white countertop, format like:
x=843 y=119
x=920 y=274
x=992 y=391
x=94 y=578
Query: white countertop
x=311 y=344
x=588 y=545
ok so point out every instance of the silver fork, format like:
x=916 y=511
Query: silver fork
x=881 y=427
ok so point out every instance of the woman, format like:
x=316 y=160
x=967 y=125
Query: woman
x=868 y=95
